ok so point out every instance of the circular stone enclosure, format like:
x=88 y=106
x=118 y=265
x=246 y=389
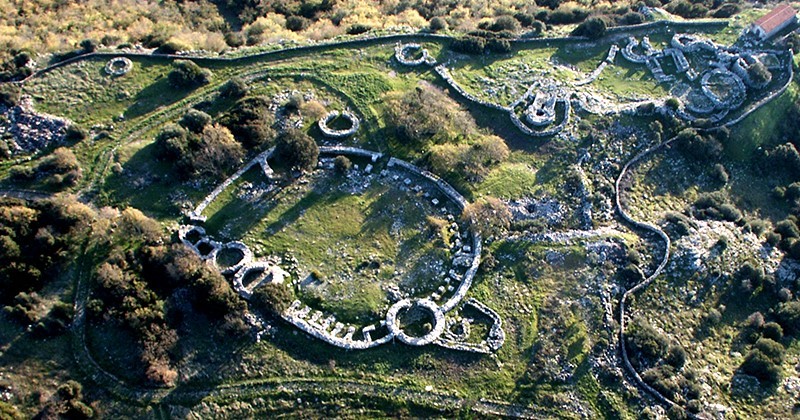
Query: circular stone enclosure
x=416 y=323
x=119 y=66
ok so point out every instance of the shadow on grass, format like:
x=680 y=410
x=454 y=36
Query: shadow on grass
x=154 y=96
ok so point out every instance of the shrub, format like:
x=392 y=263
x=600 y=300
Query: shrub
x=720 y=174
x=187 y=74
x=789 y=317
x=88 y=45
x=565 y=15
x=234 y=88
x=234 y=39
x=437 y=24
x=75 y=134
x=297 y=23
x=592 y=28
x=250 y=121
x=489 y=215
x=341 y=164
x=426 y=114
x=272 y=298
x=761 y=366
x=468 y=45
x=727 y=10
x=676 y=356
x=773 y=331
x=172 y=47
x=358 y=29
x=759 y=74
x=631 y=18
x=687 y=10
x=195 y=121
x=505 y=23
x=771 y=349
x=645 y=341
x=297 y=149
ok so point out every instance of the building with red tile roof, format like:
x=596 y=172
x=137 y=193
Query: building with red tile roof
x=768 y=25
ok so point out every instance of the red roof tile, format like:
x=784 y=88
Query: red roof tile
x=777 y=17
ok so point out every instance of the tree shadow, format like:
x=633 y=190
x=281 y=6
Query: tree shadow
x=156 y=95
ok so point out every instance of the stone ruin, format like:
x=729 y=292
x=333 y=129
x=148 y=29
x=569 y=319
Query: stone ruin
x=338 y=134
x=26 y=131
x=402 y=53
x=119 y=66
x=723 y=77
x=247 y=275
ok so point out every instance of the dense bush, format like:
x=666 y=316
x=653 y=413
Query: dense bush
x=470 y=161
x=697 y=147
x=437 y=24
x=592 y=28
x=468 y=45
x=250 y=121
x=489 y=215
x=715 y=206
x=726 y=10
x=60 y=169
x=644 y=342
x=427 y=115
x=685 y=9
x=789 y=317
x=195 y=121
x=341 y=164
x=234 y=88
x=272 y=298
x=186 y=74
x=297 y=150
x=761 y=366
x=211 y=151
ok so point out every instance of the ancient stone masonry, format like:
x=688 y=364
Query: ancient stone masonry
x=402 y=52
x=119 y=66
x=247 y=275
x=30 y=131
x=723 y=80
x=612 y=54
x=338 y=134
x=196 y=215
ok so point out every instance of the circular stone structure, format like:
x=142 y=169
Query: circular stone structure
x=402 y=52
x=119 y=66
x=333 y=133
x=724 y=88
x=432 y=283
x=424 y=304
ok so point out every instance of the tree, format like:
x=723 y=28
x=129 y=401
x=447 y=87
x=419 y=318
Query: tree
x=592 y=28
x=218 y=152
x=272 y=298
x=297 y=149
x=489 y=215
x=251 y=121
x=187 y=74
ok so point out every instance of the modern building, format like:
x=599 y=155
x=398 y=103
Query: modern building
x=768 y=25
